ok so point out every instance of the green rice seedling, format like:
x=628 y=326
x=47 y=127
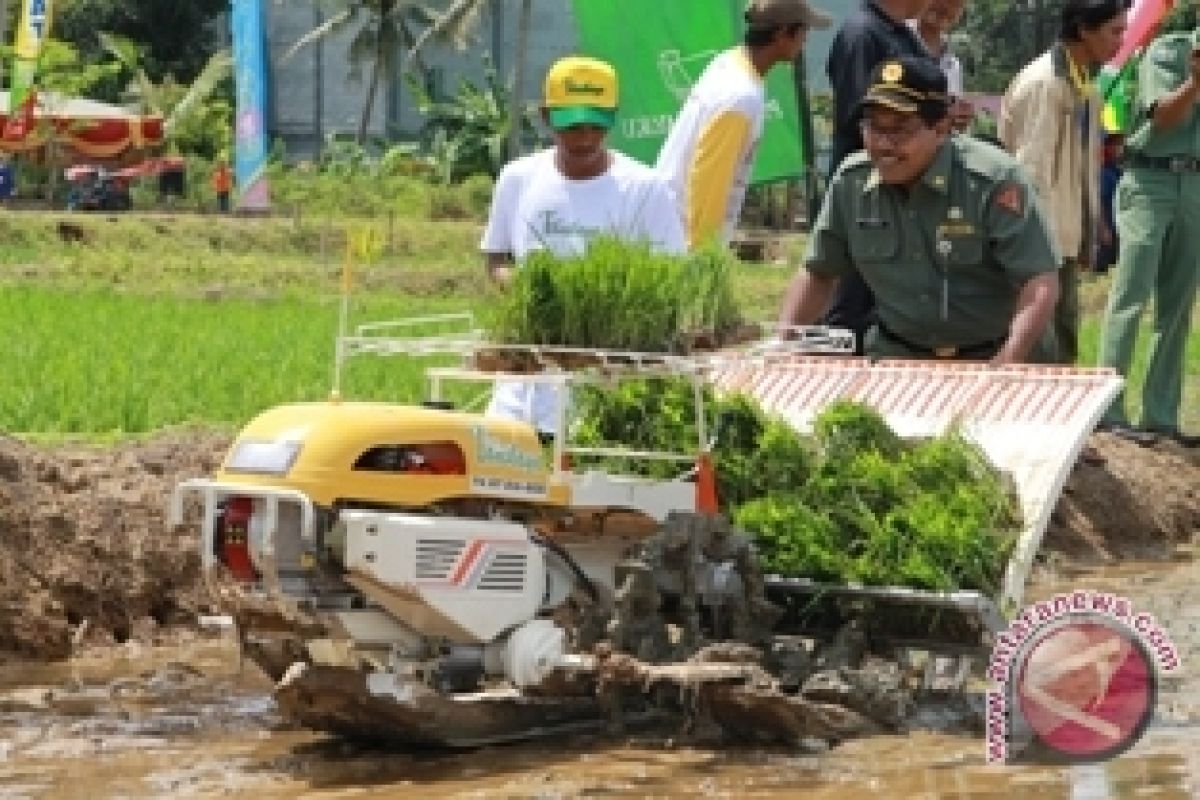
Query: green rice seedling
x=618 y=295
x=852 y=503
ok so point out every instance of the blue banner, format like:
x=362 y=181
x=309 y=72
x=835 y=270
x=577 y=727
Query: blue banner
x=250 y=131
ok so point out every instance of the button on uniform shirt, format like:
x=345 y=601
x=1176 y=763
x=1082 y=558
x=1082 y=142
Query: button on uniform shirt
x=947 y=257
x=865 y=38
x=708 y=154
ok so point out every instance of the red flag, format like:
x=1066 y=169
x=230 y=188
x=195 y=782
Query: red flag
x=20 y=121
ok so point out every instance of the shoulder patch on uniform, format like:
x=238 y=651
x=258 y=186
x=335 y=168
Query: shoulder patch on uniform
x=1010 y=196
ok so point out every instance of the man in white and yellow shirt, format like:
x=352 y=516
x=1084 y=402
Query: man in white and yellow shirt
x=707 y=157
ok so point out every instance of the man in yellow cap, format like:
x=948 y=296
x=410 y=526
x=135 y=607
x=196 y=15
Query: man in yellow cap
x=560 y=198
x=945 y=230
x=708 y=154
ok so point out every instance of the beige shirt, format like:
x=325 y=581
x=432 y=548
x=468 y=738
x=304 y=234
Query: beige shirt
x=1040 y=126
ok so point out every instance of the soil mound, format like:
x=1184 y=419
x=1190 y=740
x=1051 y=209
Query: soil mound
x=85 y=552
x=1142 y=502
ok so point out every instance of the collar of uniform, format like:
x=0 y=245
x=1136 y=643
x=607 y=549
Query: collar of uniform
x=937 y=174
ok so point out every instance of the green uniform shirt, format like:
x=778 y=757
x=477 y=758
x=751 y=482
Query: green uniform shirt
x=947 y=257
x=1163 y=69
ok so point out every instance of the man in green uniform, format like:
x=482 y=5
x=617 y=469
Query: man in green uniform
x=945 y=230
x=1158 y=225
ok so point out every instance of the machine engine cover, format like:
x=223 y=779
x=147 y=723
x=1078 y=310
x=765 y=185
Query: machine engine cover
x=464 y=580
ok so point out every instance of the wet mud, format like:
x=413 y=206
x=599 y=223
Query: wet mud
x=186 y=720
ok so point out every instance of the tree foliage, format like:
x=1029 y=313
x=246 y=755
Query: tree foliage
x=197 y=118
x=178 y=36
x=468 y=133
x=384 y=30
x=998 y=37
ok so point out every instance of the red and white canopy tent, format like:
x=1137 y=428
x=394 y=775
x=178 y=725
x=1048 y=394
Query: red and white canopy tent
x=85 y=129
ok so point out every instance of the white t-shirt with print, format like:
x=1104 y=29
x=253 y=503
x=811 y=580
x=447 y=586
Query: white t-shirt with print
x=536 y=207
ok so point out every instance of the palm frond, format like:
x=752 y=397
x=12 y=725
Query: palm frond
x=219 y=66
x=129 y=55
x=455 y=24
x=329 y=26
x=407 y=38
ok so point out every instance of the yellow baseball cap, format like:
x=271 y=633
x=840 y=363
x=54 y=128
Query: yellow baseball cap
x=581 y=91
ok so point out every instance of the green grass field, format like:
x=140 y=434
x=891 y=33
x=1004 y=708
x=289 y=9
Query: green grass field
x=151 y=322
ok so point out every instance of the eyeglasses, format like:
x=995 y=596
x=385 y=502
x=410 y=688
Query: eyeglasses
x=899 y=135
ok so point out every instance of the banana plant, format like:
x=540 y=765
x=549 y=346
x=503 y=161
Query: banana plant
x=469 y=133
x=173 y=102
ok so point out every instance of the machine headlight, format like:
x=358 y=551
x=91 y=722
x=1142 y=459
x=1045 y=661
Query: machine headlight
x=263 y=458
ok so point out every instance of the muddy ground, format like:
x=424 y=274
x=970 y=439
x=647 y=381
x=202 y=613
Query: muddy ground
x=186 y=720
x=86 y=557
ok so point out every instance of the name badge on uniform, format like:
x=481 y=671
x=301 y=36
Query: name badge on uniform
x=955 y=229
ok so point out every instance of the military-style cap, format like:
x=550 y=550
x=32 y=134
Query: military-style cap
x=768 y=13
x=907 y=84
x=581 y=91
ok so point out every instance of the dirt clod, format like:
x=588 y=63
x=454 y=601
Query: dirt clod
x=85 y=553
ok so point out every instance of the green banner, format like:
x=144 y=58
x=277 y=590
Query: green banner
x=659 y=50
x=1118 y=89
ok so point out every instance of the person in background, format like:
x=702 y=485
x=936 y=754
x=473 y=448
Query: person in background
x=944 y=229
x=707 y=156
x=1051 y=121
x=222 y=184
x=7 y=179
x=1158 y=220
x=934 y=28
x=1110 y=174
x=876 y=31
x=560 y=198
